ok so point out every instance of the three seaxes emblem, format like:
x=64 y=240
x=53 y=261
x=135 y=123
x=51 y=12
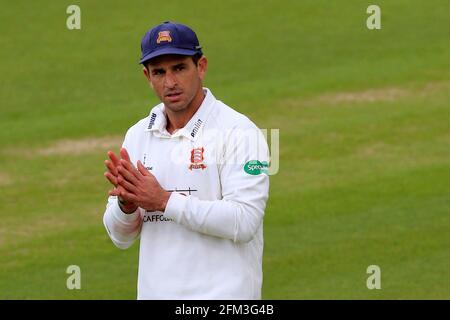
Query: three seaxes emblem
x=197 y=159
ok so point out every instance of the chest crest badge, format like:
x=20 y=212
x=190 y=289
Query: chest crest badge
x=197 y=159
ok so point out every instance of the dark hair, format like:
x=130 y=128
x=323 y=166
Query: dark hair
x=195 y=58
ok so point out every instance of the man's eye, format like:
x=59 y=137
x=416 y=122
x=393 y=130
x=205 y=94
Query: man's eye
x=179 y=68
x=157 y=72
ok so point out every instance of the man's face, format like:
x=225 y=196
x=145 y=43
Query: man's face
x=176 y=79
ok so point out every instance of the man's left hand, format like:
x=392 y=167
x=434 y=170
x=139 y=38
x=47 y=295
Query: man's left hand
x=141 y=187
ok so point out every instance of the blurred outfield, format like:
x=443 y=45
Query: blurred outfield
x=364 y=119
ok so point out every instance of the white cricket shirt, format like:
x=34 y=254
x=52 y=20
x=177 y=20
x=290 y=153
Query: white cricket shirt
x=208 y=243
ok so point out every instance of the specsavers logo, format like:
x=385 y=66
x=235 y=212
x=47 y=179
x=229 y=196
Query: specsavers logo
x=256 y=167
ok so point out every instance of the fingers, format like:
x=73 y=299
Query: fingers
x=124 y=155
x=128 y=176
x=126 y=185
x=127 y=196
x=129 y=171
x=143 y=170
x=112 y=179
x=115 y=162
x=114 y=159
x=111 y=167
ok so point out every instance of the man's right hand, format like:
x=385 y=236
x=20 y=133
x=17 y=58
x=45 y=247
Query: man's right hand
x=113 y=174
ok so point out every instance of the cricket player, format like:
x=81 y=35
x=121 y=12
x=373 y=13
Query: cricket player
x=191 y=182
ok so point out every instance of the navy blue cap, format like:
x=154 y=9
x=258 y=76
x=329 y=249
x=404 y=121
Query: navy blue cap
x=169 y=38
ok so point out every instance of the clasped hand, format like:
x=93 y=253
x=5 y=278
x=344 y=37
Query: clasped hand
x=135 y=187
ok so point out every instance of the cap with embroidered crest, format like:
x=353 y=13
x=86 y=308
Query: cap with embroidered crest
x=169 y=38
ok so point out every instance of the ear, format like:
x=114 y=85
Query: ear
x=147 y=75
x=202 y=67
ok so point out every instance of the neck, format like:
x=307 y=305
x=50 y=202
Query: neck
x=177 y=120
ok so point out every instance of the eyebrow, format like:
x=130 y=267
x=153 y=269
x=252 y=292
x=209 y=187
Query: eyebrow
x=157 y=70
x=181 y=64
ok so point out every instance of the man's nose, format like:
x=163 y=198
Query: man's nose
x=170 y=80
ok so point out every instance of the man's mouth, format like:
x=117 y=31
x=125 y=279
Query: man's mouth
x=173 y=96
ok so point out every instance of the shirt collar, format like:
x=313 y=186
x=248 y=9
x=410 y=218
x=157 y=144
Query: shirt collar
x=158 y=121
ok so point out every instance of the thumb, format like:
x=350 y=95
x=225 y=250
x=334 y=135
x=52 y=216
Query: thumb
x=143 y=170
x=114 y=192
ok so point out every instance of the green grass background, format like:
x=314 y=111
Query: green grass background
x=360 y=182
